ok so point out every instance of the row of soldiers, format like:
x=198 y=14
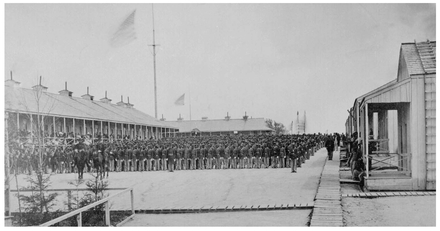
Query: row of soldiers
x=192 y=153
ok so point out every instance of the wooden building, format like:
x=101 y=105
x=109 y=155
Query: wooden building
x=206 y=127
x=54 y=114
x=397 y=121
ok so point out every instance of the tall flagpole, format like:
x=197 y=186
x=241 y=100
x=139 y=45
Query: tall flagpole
x=154 y=60
x=189 y=102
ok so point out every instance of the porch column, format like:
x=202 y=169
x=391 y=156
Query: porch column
x=366 y=138
x=64 y=130
x=84 y=128
x=93 y=131
x=135 y=132
x=102 y=134
x=64 y=126
x=74 y=130
x=32 y=125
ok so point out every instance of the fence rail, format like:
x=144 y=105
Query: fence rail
x=85 y=208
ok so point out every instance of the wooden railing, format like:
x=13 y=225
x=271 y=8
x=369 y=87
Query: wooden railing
x=396 y=162
x=85 y=208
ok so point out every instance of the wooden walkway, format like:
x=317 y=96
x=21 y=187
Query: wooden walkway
x=328 y=209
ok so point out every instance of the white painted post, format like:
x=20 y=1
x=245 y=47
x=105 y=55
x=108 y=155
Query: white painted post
x=132 y=201
x=79 y=219
x=107 y=214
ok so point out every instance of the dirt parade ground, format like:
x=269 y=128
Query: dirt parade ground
x=194 y=189
x=207 y=188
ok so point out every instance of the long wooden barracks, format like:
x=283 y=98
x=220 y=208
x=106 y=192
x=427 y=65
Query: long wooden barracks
x=78 y=116
x=205 y=127
x=398 y=122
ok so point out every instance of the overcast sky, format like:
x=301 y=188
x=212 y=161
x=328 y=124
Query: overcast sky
x=270 y=60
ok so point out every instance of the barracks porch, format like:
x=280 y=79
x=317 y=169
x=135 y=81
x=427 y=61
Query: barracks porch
x=397 y=121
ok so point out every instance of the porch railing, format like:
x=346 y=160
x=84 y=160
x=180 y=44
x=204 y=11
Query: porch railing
x=385 y=162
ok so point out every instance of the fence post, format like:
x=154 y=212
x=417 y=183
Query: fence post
x=79 y=219
x=69 y=200
x=132 y=201
x=107 y=214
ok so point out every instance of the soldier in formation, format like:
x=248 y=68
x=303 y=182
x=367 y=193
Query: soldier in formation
x=174 y=154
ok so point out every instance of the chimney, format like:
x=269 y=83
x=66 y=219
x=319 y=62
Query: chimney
x=87 y=96
x=11 y=82
x=39 y=87
x=105 y=99
x=128 y=104
x=65 y=92
x=162 y=119
x=245 y=117
x=120 y=103
x=180 y=118
x=227 y=117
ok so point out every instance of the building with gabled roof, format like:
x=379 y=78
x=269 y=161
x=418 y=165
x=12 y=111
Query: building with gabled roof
x=398 y=122
x=206 y=127
x=78 y=116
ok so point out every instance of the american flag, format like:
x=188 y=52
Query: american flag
x=126 y=32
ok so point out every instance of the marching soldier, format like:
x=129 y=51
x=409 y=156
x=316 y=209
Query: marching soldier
x=179 y=158
x=204 y=151
x=199 y=158
x=158 y=158
x=259 y=155
x=150 y=155
x=282 y=156
x=136 y=158
x=266 y=156
x=171 y=154
x=228 y=151
x=211 y=152
x=221 y=157
x=233 y=156
x=187 y=154
x=243 y=153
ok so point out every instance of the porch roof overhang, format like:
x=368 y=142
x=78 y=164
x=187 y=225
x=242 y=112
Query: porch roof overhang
x=390 y=93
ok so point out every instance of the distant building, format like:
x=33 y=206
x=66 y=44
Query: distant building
x=206 y=127
x=77 y=116
x=300 y=124
x=398 y=122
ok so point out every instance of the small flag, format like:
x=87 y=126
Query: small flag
x=180 y=101
x=125 y=33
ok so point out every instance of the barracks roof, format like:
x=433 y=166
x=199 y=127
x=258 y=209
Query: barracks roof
x=419 y=57
x=221 y=125
x=416 y=59
x=24 y=100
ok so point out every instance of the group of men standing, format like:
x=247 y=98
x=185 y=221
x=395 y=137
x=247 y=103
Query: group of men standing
x=196 y=153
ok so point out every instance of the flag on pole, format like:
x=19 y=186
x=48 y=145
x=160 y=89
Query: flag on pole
x=125 y=33
x=180 y=101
